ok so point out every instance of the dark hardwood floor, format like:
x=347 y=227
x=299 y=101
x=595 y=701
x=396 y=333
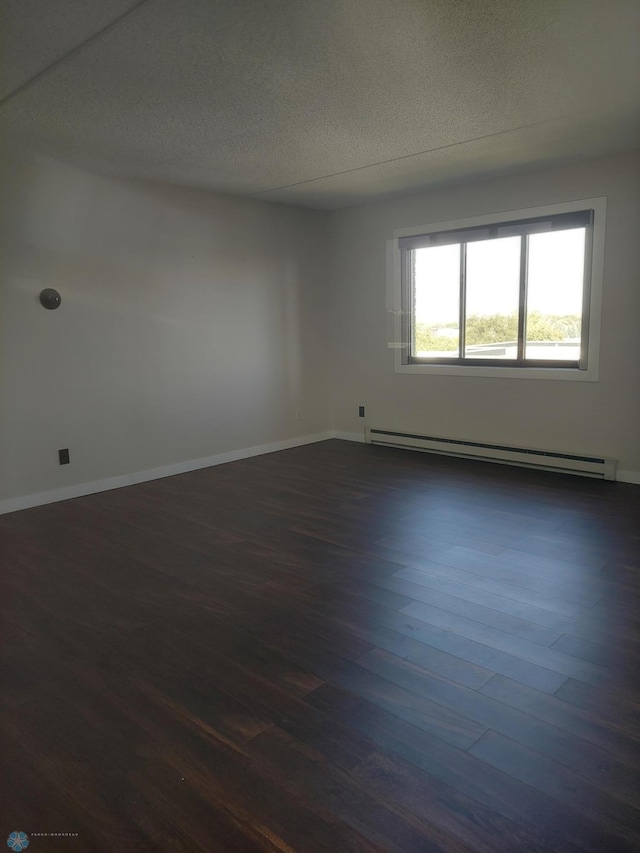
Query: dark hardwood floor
x=331 y=648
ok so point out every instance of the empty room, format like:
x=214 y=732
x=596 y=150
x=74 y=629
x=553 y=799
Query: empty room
x=320 y=426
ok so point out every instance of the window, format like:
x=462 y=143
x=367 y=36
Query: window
x=515 y=295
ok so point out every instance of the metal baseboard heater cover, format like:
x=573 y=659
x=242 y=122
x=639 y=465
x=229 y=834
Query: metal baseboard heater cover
x=548 y=460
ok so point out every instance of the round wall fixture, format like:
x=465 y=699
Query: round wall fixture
x=50 y=298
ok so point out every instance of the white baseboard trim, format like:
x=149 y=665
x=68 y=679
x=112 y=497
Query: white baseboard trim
x=628 y=477
x=349 y=436
x=80 y=489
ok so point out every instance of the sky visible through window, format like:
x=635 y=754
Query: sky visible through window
x=556 y=268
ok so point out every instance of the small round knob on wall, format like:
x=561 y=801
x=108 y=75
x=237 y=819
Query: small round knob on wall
x=50 y=298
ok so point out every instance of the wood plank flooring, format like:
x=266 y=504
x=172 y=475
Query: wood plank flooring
x=331 y=648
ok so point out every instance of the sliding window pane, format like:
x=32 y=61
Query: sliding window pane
x=493 y=289
x=554 y=300
x=436 y=330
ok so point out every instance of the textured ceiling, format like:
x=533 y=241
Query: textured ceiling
x=320 y=102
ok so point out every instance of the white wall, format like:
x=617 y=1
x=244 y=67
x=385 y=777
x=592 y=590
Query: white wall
x=191 y=324
x=195 y=324
x=599 y=418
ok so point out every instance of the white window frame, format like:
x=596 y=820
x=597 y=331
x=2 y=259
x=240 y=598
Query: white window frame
x=594 y=295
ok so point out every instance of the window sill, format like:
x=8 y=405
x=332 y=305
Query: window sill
x=549 y=373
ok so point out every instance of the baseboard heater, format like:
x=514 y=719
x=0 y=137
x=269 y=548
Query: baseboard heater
x=567 y=463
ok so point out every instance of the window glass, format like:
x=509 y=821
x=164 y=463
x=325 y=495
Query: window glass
x=437 y=301
x=493 y=288
x=554 y=295
x=510 y=292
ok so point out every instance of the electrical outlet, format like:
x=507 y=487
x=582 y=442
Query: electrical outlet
x=63 y=456
x=361 y=411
